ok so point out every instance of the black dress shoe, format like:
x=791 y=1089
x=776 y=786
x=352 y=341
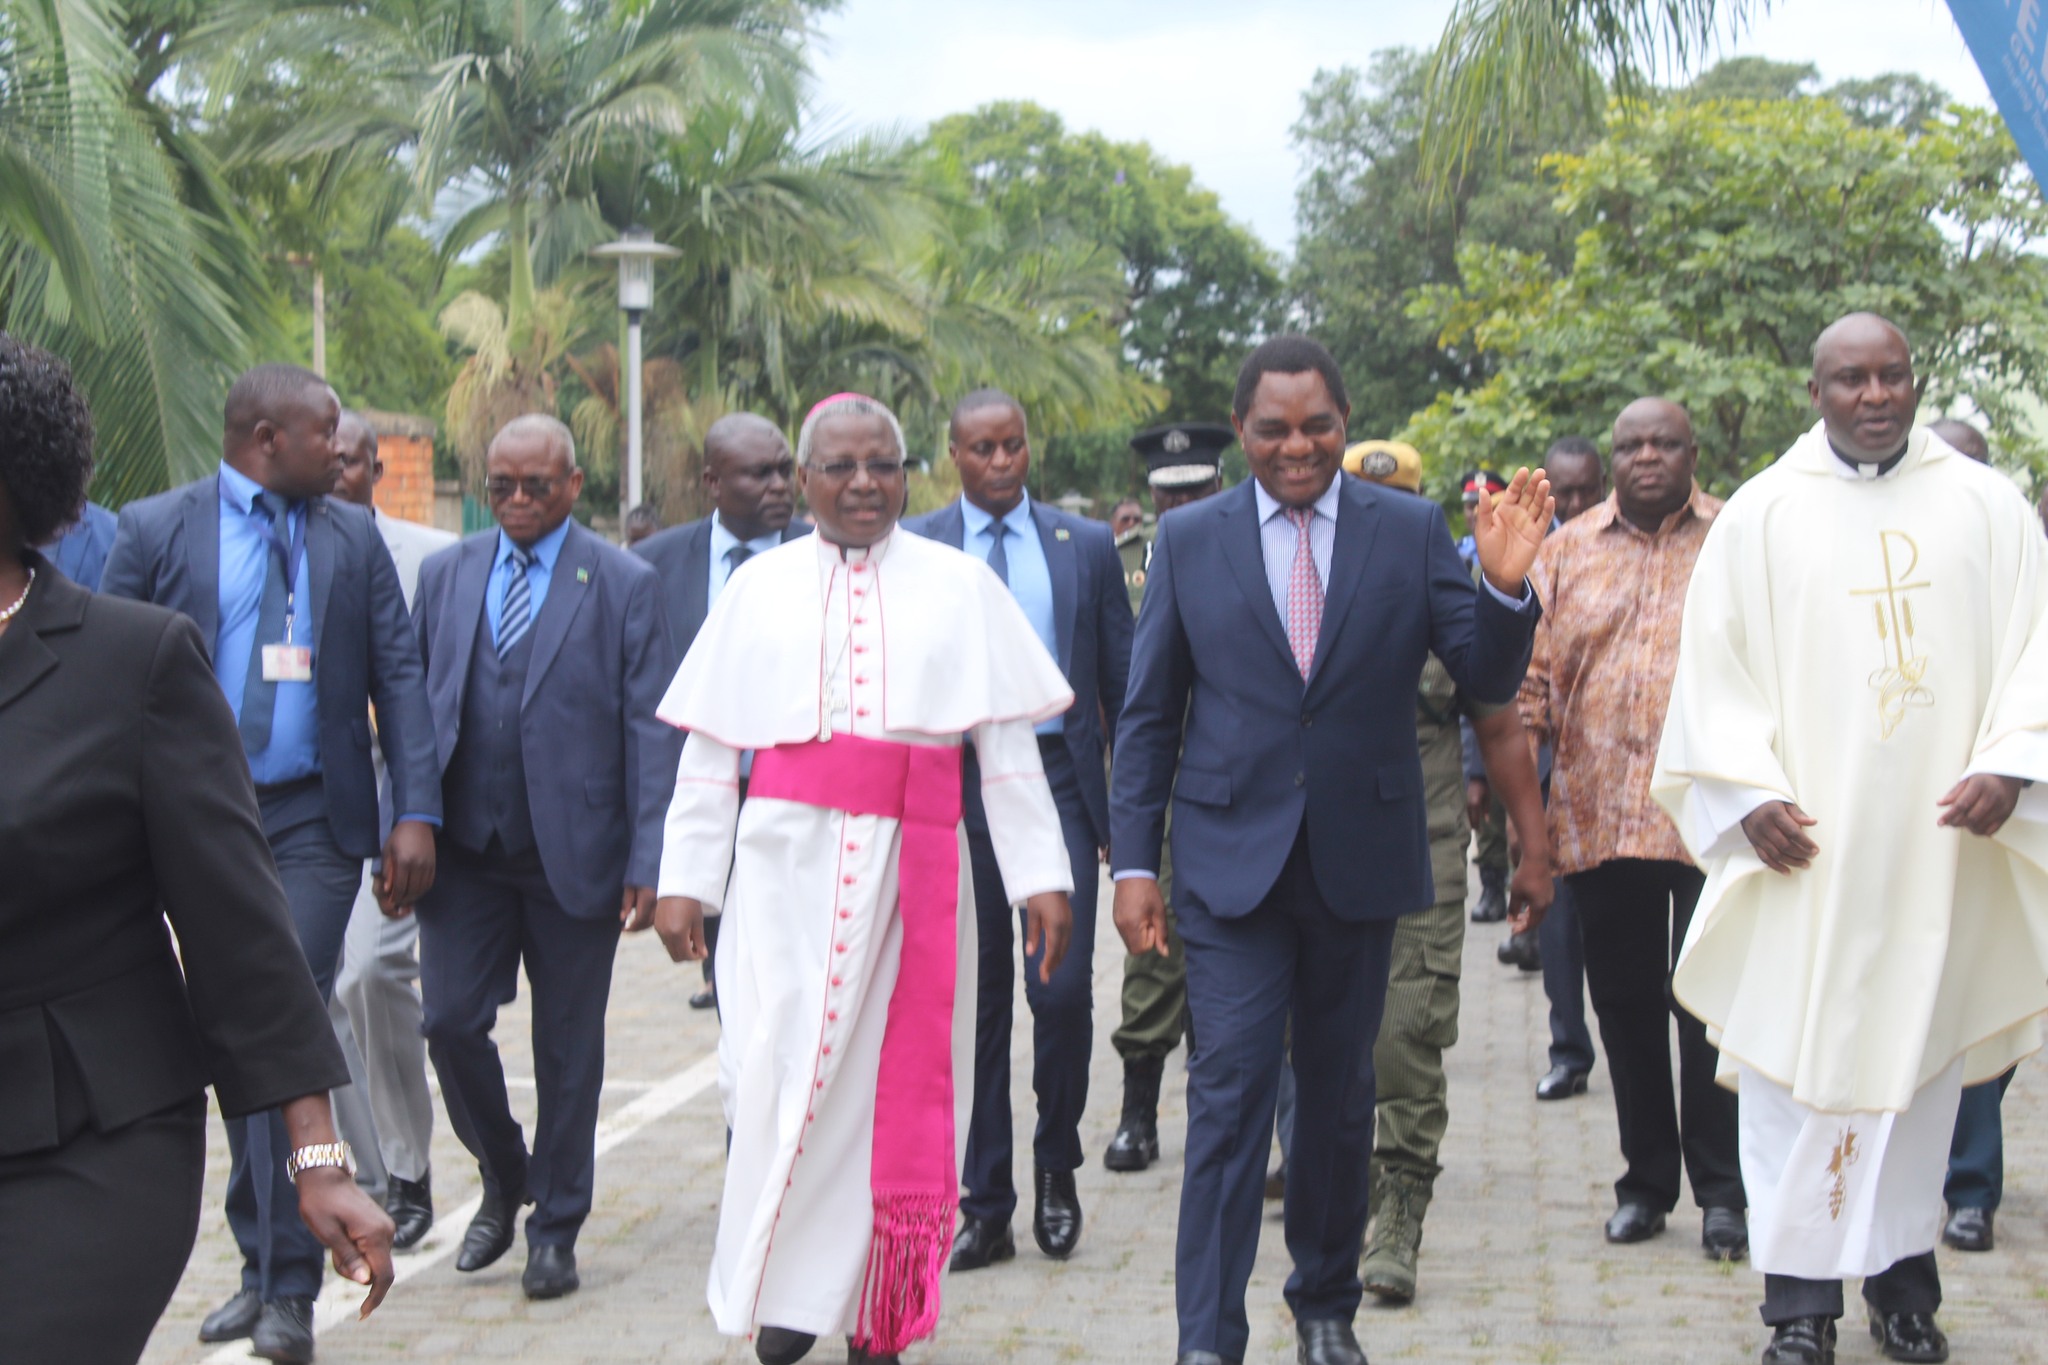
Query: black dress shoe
x=284 y=1332
x=1908 y=1336
x=1802 y=1341
x=1136 y=1144
x=981 y=1242
x=1326 y=1341
x=1056 y=1214
x=1724 y=1234
x=856 y=1354
x=1204 y=1358
x=780 y=1346
x=234 y=1319
x=411 y=1206
x=1520 y=950
x=550 y=1273
x=1561 y=1083
x=1634 y=1223
x=490 y=1232
x=1968 y=1230
x=704 y=999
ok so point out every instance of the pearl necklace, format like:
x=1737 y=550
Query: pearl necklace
x=8 y=614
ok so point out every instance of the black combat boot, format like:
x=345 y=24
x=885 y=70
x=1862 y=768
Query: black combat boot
x=1136 y=1144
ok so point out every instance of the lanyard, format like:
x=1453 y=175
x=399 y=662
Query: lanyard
x=288 y=554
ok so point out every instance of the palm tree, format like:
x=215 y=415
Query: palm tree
x=537 y=92
x=1502 y=63
x=109 y=254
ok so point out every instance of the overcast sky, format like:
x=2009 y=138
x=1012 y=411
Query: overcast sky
x=1217 y=85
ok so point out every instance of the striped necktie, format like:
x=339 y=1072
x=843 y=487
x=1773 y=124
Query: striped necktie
x=1304 y=592
x=516 y=618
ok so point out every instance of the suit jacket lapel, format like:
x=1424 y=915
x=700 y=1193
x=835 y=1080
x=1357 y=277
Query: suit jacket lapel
x=949 y=527
x=566 y=591
x=696 y=574
x=1241 y=546
x=1358 y=523
x=466 y=610
x=319 y=564
x=202 y=559
x=1060 y=560
x=24 y=659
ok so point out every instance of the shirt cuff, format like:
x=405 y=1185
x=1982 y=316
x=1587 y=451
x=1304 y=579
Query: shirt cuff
x=1511 y=603
x=433 y=820
x=1131 y=872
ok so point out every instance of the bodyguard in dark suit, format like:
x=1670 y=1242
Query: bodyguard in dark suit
x=1065 y=573
x=125 y=801
x=1281 y=642
x=302 y=654
x=80 y=554
x=546 y=654
x=750 y=477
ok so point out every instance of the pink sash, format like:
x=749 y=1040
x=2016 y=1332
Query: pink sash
x=912 y=1174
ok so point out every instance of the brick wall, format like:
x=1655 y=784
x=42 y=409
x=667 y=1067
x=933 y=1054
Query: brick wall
x=406 y=445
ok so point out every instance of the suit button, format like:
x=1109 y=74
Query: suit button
x=1301 y=779
x=1307 y=721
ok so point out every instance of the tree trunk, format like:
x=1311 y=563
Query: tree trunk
x=319 y=322
x=519 y=307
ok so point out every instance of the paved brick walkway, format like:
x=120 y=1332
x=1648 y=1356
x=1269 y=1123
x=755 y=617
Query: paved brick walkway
x=1514 y=1269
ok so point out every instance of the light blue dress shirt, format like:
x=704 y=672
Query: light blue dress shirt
x=722 y=543
x=294 y=748
x=539 y=574
x=1030 y=577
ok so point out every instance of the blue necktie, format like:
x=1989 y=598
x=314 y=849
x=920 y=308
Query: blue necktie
x=517 y=616
x=259 y=694
x=998 y=558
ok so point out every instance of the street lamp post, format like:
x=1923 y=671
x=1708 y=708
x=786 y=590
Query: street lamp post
x=637 y=252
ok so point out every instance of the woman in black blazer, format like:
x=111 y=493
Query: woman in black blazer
x=125 y=800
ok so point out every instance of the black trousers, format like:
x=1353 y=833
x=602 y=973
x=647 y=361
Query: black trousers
x=1062 y=1010
x=1291 y=957
x=1633 y=916
x=1909 y=1286
x=486 y=914
x=98 y=1230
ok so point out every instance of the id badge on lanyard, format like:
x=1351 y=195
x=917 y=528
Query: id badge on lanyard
x=288 y=661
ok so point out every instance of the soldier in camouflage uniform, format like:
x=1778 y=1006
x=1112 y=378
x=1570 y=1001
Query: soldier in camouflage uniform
x=1421 y=1019
x=1183 y=465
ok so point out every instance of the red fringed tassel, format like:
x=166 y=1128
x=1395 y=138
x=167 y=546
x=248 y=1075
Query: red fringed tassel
x=900 y=1301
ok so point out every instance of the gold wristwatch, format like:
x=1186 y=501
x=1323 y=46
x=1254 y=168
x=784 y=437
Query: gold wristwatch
x=318 y=1154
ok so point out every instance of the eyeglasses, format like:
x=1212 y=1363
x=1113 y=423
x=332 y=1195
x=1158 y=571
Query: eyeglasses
x=537 y=489
x=881 y=471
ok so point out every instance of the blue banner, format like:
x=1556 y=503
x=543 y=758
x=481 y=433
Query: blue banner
x=2009 y=39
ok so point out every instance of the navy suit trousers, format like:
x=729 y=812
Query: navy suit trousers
x=487 y=913
x=1062 y=1011
x=1564 y=980
x=1976 y=1158
x=280 y=1257
x=1290 y=956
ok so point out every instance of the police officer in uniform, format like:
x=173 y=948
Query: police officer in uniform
x=1183 y=464
x=1421 y=1020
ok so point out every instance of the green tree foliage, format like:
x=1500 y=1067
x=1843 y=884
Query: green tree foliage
x=116 y=253
x=1370 y=234
x=1722 y=236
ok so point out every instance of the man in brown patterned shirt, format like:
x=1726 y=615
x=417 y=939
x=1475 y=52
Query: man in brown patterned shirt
x=1613 y=587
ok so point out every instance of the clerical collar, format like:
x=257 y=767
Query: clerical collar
x=1863 y=470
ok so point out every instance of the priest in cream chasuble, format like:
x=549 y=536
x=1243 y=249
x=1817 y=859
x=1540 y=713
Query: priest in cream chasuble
x=1862 y=693
x=851 y=665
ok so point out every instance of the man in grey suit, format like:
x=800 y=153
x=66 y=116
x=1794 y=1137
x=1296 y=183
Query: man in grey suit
x=1064 y=572
x=546 y=654
x=750 y=478
x=386 y=1111
x=297 y=598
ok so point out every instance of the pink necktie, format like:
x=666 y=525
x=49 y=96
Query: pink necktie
x=1304 y=592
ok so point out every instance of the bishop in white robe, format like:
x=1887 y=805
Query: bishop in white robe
x=1864 y=656
x=853 y=664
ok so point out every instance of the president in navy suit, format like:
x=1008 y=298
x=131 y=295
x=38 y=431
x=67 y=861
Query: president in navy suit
x=1065 y=574
x=1272 y=698
x=546 y=654
x=300 y=606
x=750 y=478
